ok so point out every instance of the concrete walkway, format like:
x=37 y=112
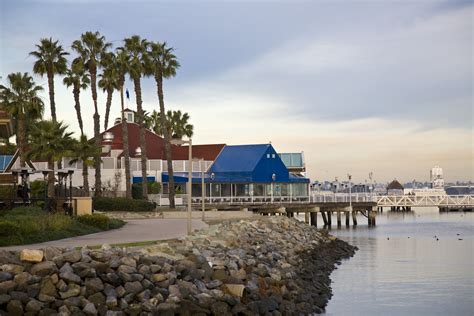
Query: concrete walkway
x=133 y=231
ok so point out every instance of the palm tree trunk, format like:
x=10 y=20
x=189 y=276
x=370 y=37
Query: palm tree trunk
x=51 y=95
x=167 y=136
x=107 y=107
x=126 y=151
x=22 y=140
x=85 y=177
x=76 y=91
x=51 y=178
x=138 y=94
x=98 y=180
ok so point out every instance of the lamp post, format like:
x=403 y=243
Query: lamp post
x=190 y=176
x=203 y=189
x=350 y=191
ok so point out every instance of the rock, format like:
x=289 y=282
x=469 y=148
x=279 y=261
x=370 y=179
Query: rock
x=7 y=286
x=93 y=285
x=44 y=268
x=133 y=287
x=238 y=274
x=33 y=306
x=159 y=277
x=205 y=300
x=126 y=269
x=267 y=305
x=12 y=268
x=51 y=252
x=30 y=255
x=70 y=277
x=19 y=296
x=166 y=309
x=235 y=289
x=5 y=276
x=219 y=308
x=128 y=261
x=66 y=268
x=70 y=256
x=98 y=299
x=72 y=290
x=61 y=286
x=111 y=301
x=4 y=298
x=213 y=284
x=7 y=257
x=48 y=288
x=219 y=274
x=90 y=309
x=14 y=308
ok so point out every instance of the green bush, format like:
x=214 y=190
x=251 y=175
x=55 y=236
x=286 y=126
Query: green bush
x=95 y=220
x=122 y=204
x=137 y=189
x=8 y=228
x=6 y=192
x=37 y=189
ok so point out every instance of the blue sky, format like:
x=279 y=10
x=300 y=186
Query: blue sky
x=359 y=86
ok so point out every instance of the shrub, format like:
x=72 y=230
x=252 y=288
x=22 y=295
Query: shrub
x=95 y=220
x=153 y=188
x=122 y=204
x=6 y=192
x=8 y=228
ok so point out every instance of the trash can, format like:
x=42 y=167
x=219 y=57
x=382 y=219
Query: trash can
x=82 y=205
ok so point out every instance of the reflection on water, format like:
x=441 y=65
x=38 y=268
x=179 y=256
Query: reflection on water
x=415 y=263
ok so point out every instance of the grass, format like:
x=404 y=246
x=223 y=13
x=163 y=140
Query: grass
x=26 y=225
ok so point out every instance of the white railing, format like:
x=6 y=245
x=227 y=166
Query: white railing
x=182 y=199
x=396 y=200
x=343 y=197
x=426 y=201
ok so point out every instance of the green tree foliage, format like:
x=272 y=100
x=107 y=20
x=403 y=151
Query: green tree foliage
x=50 y=61
x=23 y=103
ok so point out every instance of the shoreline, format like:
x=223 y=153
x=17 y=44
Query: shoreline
x=269 y=265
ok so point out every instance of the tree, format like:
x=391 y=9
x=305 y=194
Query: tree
x=50 y=141
x=164 y=65
x=78 y=79
x=91 y=47
x=136 y=49
x=108 y=82
x=121 y=62
x=83 y=150
x=50 y=60
x=21 y=100
x=177 y=123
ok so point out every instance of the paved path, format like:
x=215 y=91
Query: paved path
x=133 y=231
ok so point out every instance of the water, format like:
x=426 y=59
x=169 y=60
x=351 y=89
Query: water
x=401 y=268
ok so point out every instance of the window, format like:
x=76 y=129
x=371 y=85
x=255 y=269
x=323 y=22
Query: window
x=273 y=156
x=108 y=163
x=268 y=155
x=130 y=117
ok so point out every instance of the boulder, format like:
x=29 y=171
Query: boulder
x=33 y=306
x=31 y=255
x=89 y=309
x=44 y=268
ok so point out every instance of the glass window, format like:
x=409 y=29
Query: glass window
x=273 y=156
x=258 y=189
x=108 y=163
x=268 y=155
x=130 y=117
x=155 y=164
x=296 y=160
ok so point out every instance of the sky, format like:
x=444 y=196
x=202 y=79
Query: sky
x=358 y=86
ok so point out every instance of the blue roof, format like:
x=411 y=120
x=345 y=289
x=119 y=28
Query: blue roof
x=240 y=158
x=244 y=164
x=4 y=161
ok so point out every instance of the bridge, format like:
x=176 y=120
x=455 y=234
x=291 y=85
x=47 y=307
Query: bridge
x=443 y=202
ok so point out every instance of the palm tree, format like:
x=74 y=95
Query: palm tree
x=78 y=79
x=164 y=65
x=108 y=82
x=49 y=140
x=91 y=47
x=84 y=149
x=121 y=62
x=136 y=49
x=21 y=100
x=177 y=124
x=50 y=60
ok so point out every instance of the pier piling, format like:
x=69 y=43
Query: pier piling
x=338 y=219
x=354 y=218
x=347 y=219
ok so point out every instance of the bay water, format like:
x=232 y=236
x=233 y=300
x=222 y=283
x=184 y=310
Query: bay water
x=412 y=263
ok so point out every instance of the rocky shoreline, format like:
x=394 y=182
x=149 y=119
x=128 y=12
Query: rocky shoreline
x=272 y=265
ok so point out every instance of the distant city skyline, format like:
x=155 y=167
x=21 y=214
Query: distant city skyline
x=359 y=86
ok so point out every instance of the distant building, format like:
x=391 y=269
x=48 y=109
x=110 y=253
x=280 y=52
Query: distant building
x=395 y=188
x=436 y=177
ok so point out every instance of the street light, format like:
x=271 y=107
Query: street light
x=176 y=141
x=349 y=176
x=203 y=188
